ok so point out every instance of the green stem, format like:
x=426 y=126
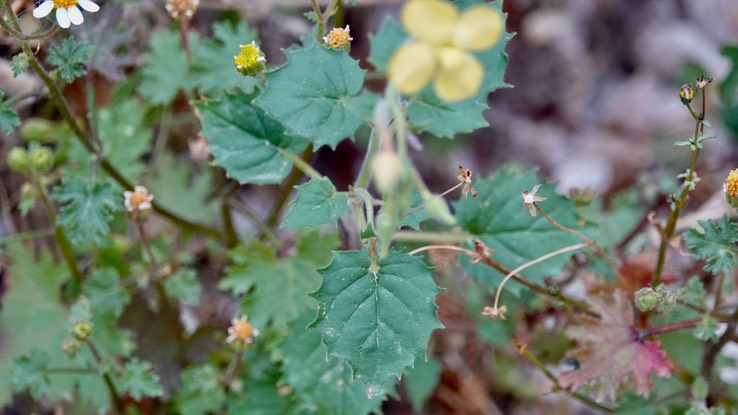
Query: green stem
x=61 y=238
x=229 y=231
x=674 y=216
x=266 y=231
x=365 y=173
x=430 y=237
x=301 y=164
x=287 y=186
x=16 y=30
x=107 y=379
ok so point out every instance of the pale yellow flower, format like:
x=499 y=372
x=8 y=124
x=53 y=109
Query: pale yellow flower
x=250 y=60
x=241 y=330
x=138 y=200
x=441 y=50
x=338 y=38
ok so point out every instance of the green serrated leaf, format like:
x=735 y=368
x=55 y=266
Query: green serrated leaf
x=29 y=372
x=324 y=385
x=201 y=391
x=263 y=397
x=87 y=208
x=364 y=313
x=498 y=218
x=317 y=203
x=444 y=119
x=165 y=69
x=390 y=36
x=246 y=142
x=8 y=117
x=310 y=93
x=315 y=247
x=70 y=58
x=105 y=293
x=716 y=244
x=277 y=288
x=184 y=286
x=213 y=71
x=138 y=380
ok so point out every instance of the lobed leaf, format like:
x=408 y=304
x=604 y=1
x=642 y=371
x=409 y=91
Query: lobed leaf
x=8 y=117
x=70 y=58
x=184 y=286
x=105 y=292
x=139 y=381
x=716 y=244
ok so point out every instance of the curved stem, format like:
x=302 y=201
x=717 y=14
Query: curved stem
x=119 y=406
x=287 y=186
x=667 y=328
x=301 y=164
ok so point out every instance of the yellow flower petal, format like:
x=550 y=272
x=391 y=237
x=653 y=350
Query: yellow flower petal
x=459 y=83
x=412 y=67
x=431 y=21
x=479 y=28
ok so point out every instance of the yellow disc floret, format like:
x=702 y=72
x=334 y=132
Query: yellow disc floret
x=63 y=4
x=730 y=187
x=338 y=38
x=250 y=61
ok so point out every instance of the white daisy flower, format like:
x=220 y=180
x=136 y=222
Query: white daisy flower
x=67 y=11
x=138 y=200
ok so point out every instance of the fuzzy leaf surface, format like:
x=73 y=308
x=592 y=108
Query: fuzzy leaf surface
x=277 y=287
x=324 y=385
x=716 y=244
x=610 y=351
x=201 y=391
x=498 y=218
x=87 y=208
x=245 y=141
x=317 y=203
x=29 y=373
x=184 y=286
x=165 y=69
x=138 y=380
x=364 y=314
x=390 y=36
x=105 y=292
x=70 y=58
x=445 y=119
x=310 y=94
x=8 y=117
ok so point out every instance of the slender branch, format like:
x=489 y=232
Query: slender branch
x=301 y=164
x=420 y=206
x=584 y=399
x=119 y=406
x=287 y=186
x=584 y=238
x=145 y=243
x=246 y=210
x=61 y=238
x=430 y=237
x=667 y=328
x=57 y=97
x=26 y=236
x=670 y=228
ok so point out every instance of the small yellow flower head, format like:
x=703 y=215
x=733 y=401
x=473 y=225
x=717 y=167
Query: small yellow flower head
x=441 y=51
x=338 y=38
x=138 y=200
x=241 y=330
x=530 y=199
x=182 y=9
x=67 y=12
x=250 y=61
x=730 y=188
x=686 y=94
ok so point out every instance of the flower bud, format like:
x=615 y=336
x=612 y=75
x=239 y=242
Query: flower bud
x=42 y=159
x=18 y=160
x=386 y=168
x=71 y=346
x=82 y=330
x=686 y=94
x=646 y=299
x=438 y=208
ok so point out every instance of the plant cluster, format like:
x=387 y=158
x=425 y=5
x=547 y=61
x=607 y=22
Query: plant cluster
x=322 y=305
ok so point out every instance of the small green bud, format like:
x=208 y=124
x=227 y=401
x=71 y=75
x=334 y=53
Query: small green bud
x=386 y=168
x=646 y=299
x=686 y=94
x=18 y=160
x=438 y=208
x=71 y=346
x=82 y=330
x=42 y=159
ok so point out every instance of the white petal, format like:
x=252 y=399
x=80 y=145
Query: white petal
x=88 y=5
x=44 y=9
x=62 y=17
x=75 y=16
